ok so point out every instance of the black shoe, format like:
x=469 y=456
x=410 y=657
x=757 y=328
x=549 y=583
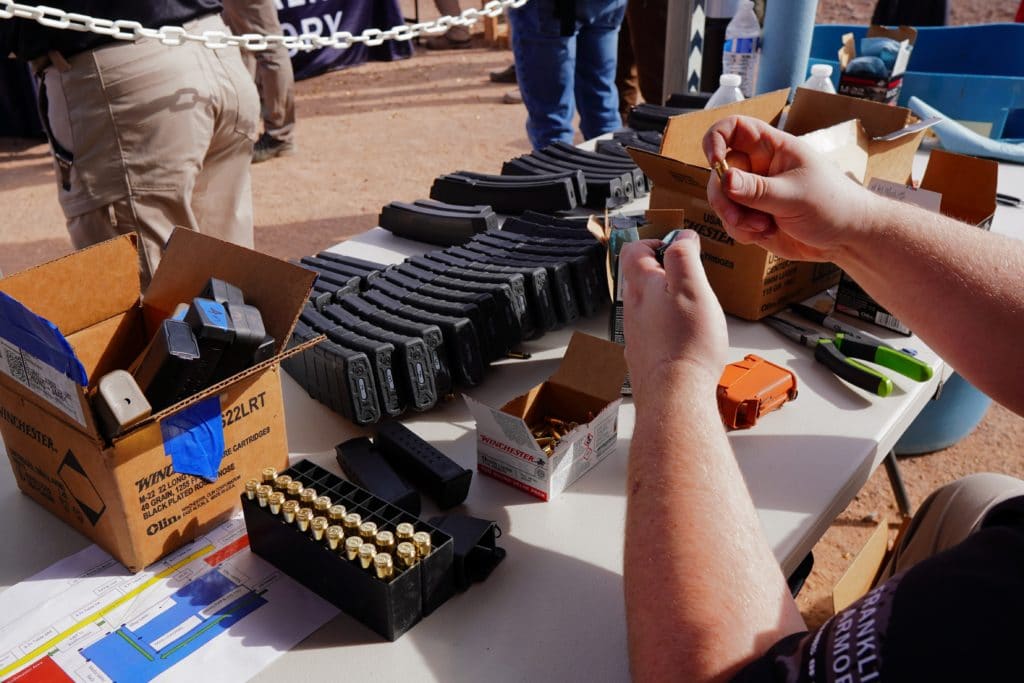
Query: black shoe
x=268 y=147
x=505 y=75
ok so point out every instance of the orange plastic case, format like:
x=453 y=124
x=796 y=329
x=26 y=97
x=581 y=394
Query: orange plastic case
x=752 y=387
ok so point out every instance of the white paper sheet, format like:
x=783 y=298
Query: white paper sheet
x=209 y=611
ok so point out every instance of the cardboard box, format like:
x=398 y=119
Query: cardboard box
x=586 y=383
x=126 y=495
x=750 y=282
x=958 y=186
x=885 y=90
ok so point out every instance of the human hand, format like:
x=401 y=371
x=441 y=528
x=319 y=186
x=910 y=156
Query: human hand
x=780 y=194
x=674 y=325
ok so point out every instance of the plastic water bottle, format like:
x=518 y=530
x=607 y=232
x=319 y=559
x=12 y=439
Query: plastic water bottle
x=742 y=52
x=821 y=79
x=727 y=93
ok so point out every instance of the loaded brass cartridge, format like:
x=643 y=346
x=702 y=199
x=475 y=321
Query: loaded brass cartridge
x=352 y=546
x=268 y=475
x=321 y=505
x=421 y=539
x=385 y=541
x=334 y=535
x=275 y=500
x=294 y=490
x=406 y=553
x=384 y=565
x=281 y=482
x=368 y=531
x=318 y=525
x=336 y=513
x=307 y=497
x=366 y=554
x=262 y=493
x=303 y=517
x=404 y=532
x=289 y=509
x=250 y=489
x=351 y=524
x=721 y=168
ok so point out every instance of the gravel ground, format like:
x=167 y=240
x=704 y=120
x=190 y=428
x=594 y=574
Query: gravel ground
x=381 y=132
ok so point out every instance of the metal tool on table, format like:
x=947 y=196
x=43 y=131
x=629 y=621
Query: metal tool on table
x=839 y=355
x=836 y=325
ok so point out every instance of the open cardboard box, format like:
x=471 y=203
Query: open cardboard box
x=750 y=282
x=126 y=495
x=885 y=90
x=584 y=389
x=955 y=185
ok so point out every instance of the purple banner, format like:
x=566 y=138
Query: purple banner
x=324 y=17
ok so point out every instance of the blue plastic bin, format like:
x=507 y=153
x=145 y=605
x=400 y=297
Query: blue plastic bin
x=946 y=420
x=974 y=74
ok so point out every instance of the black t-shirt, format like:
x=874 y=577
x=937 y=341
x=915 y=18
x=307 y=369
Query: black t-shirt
x=27 y=39
x=957 y=616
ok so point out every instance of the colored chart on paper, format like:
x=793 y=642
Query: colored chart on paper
x=211 y=609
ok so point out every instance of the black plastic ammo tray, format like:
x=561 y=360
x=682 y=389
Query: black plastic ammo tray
x=389 y=607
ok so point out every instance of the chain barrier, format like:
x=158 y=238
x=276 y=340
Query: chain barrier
x=122 y=29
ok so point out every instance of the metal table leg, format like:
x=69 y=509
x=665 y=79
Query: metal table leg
x=896 y=481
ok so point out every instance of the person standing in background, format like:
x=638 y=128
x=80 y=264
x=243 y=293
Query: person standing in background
x=272 y=71
x=145 y=136
x=641 y=68
x=565 y=55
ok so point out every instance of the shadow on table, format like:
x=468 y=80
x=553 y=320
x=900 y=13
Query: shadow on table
x=512 y=639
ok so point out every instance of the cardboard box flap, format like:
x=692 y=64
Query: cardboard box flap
x=846 y=144
x=278 y=289
x=670 y=175
x=813 y=109
x=847 y=51
x=582 y=356
x=684 y=133
x=82 y=288
x=860 y=575
x=967 y=185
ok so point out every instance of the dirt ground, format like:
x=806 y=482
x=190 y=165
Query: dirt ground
x=381 y=132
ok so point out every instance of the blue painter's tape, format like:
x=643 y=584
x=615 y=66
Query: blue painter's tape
x=39 y=337
x=194 y=439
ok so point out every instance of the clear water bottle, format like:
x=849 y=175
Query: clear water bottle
x=821 y=79
x=728 y=92
x=741 y=54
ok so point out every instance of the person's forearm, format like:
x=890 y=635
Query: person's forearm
x=704 y=594
x=959 y=288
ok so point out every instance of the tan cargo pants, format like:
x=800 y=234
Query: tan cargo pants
x=271 y=68
x=949 y=515
x=161 y=136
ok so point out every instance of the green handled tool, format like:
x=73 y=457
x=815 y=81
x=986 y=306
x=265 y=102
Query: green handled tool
x=838 y=354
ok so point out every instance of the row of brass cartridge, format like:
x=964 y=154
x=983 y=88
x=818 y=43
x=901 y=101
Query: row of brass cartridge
x=342 y=531
x=375 y=561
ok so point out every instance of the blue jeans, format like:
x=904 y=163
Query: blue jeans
x=558 y=74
